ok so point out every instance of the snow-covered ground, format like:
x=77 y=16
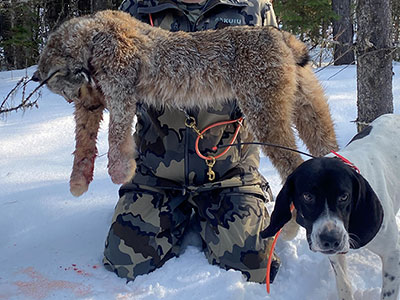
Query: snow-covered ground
x=51 y=243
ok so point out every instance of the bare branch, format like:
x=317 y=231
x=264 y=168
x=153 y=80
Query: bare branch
x=11 y=92
x=26 y=102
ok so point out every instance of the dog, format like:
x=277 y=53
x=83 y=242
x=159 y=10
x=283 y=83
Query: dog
x=342 y=209
x=112 y=61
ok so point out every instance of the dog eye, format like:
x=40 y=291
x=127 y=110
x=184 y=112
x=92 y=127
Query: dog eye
x=308 y=198
x=343 y=198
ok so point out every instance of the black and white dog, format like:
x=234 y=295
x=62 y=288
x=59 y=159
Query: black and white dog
x=342 y=209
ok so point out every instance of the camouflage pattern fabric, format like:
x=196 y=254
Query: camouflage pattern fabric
x=166 y=148
x=149 y=224
x=175 y=15
x=170 y=190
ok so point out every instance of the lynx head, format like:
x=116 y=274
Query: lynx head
x=64 y=62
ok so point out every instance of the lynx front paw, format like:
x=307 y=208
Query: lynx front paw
x=78 y=185
x=82 y=174
x=122 y=170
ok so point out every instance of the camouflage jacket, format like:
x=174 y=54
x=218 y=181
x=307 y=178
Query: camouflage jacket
x=166 y=147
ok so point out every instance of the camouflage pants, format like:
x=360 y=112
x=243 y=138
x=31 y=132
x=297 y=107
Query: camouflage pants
x=149 y=224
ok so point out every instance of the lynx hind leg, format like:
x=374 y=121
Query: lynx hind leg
x=271 y=123
x=312 y=119
x=122 y=148
x=274 y=126
x=88 y=115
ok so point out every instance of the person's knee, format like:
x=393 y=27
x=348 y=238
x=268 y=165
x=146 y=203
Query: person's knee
x=234 y=241
x=249 y=256
x=130 y=252
x=142 y=235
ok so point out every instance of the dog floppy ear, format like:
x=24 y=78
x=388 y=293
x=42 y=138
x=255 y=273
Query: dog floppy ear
x=281 y=214
x=366 y=214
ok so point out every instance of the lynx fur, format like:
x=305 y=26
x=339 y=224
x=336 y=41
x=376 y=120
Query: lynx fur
x=112 y=61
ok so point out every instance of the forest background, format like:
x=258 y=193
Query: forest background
x=329 y=26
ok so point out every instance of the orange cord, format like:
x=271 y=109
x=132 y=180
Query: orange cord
x=271 y=253
x=239 y=121
x=151 y=20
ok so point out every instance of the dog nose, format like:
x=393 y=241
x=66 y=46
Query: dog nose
x=330 y=240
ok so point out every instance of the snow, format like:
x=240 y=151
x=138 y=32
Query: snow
x=51 y=242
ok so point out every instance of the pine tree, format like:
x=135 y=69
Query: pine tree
x=396 y=29
x=310 y=19
x=374 y=60
x=343 y=52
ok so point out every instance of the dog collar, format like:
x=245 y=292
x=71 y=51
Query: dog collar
x=346 y=161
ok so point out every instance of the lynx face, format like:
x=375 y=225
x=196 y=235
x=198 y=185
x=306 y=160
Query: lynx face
x=61 y=67
x=63 y=81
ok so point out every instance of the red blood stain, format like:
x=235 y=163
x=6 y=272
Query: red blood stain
x=78 y=270
x=40 y=287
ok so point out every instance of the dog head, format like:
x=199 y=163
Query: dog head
x=64 y=62
x=337 y=206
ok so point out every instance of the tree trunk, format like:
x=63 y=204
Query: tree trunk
x=374 y=60
x=98 y=5
x=343 y=33
x=396 y=28
x=56 y=12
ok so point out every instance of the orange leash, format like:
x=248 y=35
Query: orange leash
x=210 y=160
x=151 y=20
x=271 y=252
x=239 y=121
